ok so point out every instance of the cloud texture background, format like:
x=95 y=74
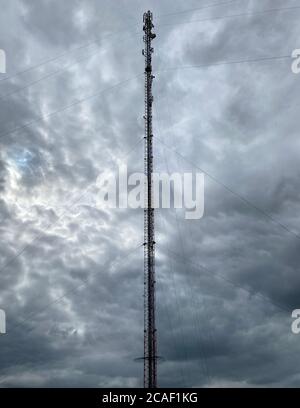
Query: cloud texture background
x=72 y=273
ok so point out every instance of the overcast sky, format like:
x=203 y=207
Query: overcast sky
x=71 y=272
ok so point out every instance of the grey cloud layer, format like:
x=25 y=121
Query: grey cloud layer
x=73 y=297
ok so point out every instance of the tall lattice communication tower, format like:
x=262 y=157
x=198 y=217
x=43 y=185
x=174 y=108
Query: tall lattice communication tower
x=150 y=343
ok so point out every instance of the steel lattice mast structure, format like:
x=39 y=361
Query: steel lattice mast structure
x=150 y=344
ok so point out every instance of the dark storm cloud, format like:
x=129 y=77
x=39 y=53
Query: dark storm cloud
x=71 y=287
